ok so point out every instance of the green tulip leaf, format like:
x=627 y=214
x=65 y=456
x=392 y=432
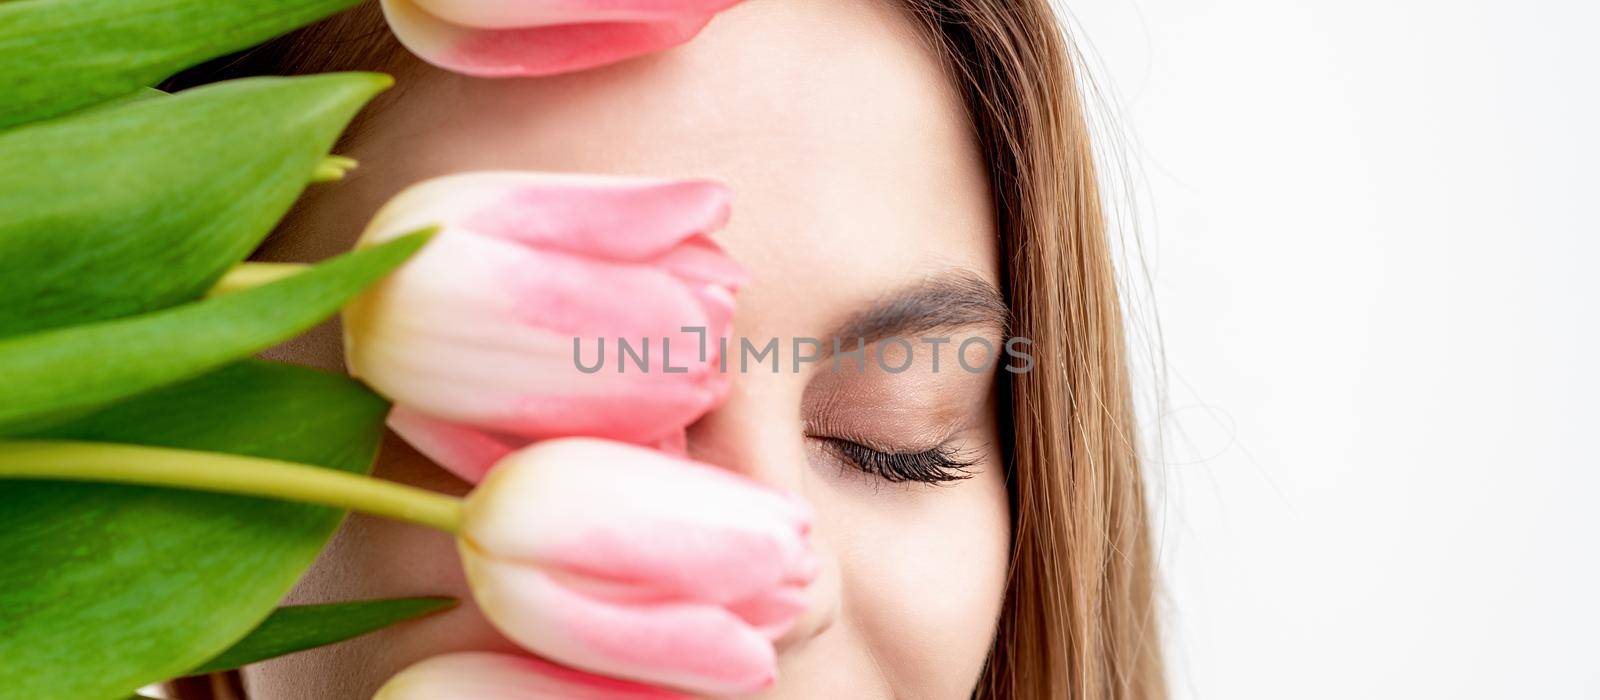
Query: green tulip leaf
x=130 y=98
x=301 y=627
x=141 y=205
x=56 y=375
x=60 y=55
x=107 y=588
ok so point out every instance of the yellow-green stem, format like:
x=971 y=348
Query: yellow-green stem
x=253 y=274
x=224 y=473
x=333 y=168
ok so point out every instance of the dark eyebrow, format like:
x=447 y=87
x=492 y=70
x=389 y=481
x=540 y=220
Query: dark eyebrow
x=958 y=299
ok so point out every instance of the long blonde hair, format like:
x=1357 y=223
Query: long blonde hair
x=1080 y=615
x=1079 y=619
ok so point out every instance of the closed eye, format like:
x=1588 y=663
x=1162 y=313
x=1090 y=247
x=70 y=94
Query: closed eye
x=939 y=465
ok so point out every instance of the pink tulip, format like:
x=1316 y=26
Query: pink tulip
x=500 y=38
x=478 y=339
x=489 y=676
x=636 y=564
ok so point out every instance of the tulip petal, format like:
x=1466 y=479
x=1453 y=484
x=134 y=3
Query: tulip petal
x=676 y=444
x=773 y=612
x=618 y=218
x=702 y=260
x=513 y=322
x=635 y=517
x=531 y=51
x=490 y=676
x=574 y=296
x=504 y=14
x=481 y=331
x=462 y=449
x=697 y=647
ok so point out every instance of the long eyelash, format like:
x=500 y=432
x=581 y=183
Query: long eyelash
x=940 y=465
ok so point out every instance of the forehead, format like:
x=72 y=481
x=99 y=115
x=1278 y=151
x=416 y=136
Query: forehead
x=846 y=144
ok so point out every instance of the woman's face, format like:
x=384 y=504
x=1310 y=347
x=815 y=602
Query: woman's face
x=861 y=209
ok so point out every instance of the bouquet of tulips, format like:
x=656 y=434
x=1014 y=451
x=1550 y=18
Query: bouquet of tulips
x=161 y=491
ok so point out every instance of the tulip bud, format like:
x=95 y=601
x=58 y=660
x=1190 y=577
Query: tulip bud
x=491 y=336
x=499 y=38
x=488 y=676
x=635 y=564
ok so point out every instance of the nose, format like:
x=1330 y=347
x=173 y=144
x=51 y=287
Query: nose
x=823 y=600
x=758 y=432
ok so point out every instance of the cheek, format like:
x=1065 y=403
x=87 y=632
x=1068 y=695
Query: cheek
x=923 y=574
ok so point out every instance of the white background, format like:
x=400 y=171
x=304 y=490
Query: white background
x=1372 y=230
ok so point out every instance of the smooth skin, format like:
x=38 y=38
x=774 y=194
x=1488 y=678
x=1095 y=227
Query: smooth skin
x=856 y=177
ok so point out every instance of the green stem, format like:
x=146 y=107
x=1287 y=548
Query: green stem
x=224 y=473
x=247 y=275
